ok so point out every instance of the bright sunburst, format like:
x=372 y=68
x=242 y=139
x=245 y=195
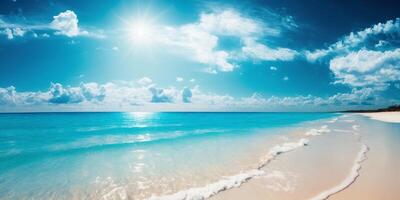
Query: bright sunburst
x=141 y=32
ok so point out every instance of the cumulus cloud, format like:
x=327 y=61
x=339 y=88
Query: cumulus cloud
x=357 y=40
x=7 y=95
x=93 y=91
x=114 y=96
x=66 y=23
x=186 y=95
x=179 y=79
x=259 y=51
x=85 y=92
x=199 y=45
x=13 y=32
x=62 y=95
x=161 y=95
x=367 y=68
x=367 y=58
x=200 y=40
x=230 y=22
x=145 y=81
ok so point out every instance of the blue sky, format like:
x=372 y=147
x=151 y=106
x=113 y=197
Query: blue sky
x=198 y=55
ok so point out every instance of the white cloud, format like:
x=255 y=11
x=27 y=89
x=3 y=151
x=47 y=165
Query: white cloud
x=179 y=79
x=66 y=23
x=200 y=40
x=13 y=32
x=19 y=32
x=355 y=41
x=9 y=33
x=7 y=95
x=145 y=81
x=115 y=96
x=160 y=95
x=186 y=95
x=273 y=68
x=367 y=68
x=85 y=92
x=367 y=58
x=315 y=55
x=381 y=43
x=230 y=22
x=259 y=51
x=198 y=45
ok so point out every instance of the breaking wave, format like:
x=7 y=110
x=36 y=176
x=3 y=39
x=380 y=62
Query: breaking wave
x=212 y=189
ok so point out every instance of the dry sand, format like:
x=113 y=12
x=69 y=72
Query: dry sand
x=393 y=117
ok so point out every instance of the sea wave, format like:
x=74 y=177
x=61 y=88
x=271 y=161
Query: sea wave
x=320 y=131
x=213 y=188
x=109 y=141
x=126 y=127
x=226 y=183
x=333 y=120
x=355 y=127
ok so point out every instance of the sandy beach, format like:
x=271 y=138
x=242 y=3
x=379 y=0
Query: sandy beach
x=379 y=175
x=295 y=156
x=354 y=158
x=393 y=117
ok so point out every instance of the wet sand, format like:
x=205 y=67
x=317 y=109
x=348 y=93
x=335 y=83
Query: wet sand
x=333 y=165
x=380 y=174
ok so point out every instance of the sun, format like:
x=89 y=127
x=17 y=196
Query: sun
x=141 y=32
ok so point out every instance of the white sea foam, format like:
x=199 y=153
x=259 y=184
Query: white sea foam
x=320 y=131
x=280 y=181
x=116 y=193
x=355 y=127
x=348 y=120
x=212 y=189
x=354 y=173
x=333 y=120
x=343 y=130
x=286 y=147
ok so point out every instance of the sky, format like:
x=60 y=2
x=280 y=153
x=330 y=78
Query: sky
x=127 y=55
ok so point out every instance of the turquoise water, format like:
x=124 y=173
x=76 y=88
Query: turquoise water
x=94 y=155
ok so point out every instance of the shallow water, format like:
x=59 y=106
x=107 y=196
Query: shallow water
x=130 y=155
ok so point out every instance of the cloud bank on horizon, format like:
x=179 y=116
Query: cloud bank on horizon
x=214 y=57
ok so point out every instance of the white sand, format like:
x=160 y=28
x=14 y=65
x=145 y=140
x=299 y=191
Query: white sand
x=393 y=117
x=332 y=165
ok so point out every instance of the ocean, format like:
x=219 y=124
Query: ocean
x=132 y=155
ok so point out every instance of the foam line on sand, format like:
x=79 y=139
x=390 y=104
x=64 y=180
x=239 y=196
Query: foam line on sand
x=212 y=189
x=350 y=179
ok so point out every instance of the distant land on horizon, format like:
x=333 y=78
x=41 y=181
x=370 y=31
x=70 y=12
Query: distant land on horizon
x=387 y=109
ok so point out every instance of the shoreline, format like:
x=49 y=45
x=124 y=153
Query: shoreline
x=300 y=136
x=341 y=173
x=337 y=157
